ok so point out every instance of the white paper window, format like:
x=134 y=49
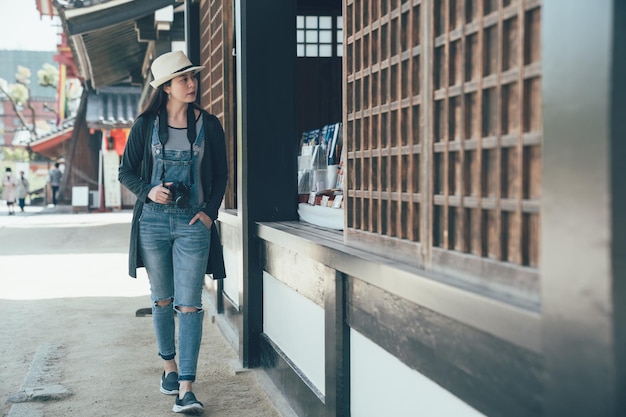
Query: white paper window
x=326 y=50
x=326 y=22
x=326 y=36
x=311 y=50
x=314 y=36
x=311 y=36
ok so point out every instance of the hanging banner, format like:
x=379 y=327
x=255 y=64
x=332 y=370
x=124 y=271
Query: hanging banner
x=112 y=190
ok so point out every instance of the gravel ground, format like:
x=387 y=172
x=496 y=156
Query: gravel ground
x=69 y=326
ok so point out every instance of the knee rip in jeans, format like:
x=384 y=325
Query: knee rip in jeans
x=187 y=309
x=164 y=303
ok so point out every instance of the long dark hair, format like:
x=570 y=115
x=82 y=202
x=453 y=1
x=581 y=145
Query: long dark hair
x=157 y=105
x=158 y=100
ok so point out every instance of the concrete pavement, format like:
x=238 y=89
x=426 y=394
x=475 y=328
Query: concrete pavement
x=70 y=341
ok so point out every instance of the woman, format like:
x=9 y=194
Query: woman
x=21 y=190
x=8 y=190
x=175 y=163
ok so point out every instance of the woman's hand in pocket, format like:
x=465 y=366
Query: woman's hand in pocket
x=202 y=216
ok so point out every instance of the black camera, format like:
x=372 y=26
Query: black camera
x=180 y=194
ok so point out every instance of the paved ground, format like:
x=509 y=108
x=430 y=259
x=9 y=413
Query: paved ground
x=69 y=340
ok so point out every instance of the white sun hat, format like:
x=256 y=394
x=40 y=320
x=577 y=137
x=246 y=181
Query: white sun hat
x=170 y=65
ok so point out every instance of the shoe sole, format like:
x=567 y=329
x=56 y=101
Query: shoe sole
x=188 y=409
x=168 y=392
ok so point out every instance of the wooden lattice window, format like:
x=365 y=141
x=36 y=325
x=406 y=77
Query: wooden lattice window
x=216 y=44
x=443 y=127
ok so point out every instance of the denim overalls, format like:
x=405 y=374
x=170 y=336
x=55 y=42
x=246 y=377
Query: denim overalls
x=175 y=254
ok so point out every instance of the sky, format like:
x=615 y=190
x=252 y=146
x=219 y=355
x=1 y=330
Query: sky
x=21 y=28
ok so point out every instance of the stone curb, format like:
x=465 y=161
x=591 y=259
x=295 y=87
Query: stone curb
x=40 y=384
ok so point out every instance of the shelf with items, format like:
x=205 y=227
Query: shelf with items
x=320 y=176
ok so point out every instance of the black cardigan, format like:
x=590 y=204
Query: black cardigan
x=136 y=168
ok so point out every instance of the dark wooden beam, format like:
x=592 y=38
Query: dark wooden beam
x=337 y=348
x=267 y=142
x=583 y=208
x=85 y=22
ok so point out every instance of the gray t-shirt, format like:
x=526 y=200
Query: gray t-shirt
x=177 y=140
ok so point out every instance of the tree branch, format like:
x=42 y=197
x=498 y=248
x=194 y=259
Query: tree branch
x=17 y=111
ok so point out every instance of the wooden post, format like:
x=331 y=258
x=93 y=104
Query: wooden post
x=583 y=209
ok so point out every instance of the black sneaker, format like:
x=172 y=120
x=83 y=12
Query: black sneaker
x=169 y=383
x=188 y=405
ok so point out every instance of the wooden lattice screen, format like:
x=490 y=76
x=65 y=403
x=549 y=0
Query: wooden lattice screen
x=442 y=105
x=216 y=44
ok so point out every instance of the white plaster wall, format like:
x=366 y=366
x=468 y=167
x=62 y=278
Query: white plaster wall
x=296 y=325
x=381 y=385
x=231 y=282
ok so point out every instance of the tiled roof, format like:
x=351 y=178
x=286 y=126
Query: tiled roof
x=66 y=126
x=107 y=108
x=113 y=107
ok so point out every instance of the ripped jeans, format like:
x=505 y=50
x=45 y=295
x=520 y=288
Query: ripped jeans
x=175 y=256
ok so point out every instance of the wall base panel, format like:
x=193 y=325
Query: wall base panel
x=381 y=385
x=491 y=375
x=297 y=392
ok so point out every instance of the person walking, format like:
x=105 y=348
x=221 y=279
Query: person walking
x=175 y=163
x=22 y=188
x=8 y=190
x=54 y=179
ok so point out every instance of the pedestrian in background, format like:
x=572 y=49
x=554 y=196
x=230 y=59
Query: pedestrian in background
x=22 y=188
x=175 y=163
x=54 y=179
x=8 y=190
